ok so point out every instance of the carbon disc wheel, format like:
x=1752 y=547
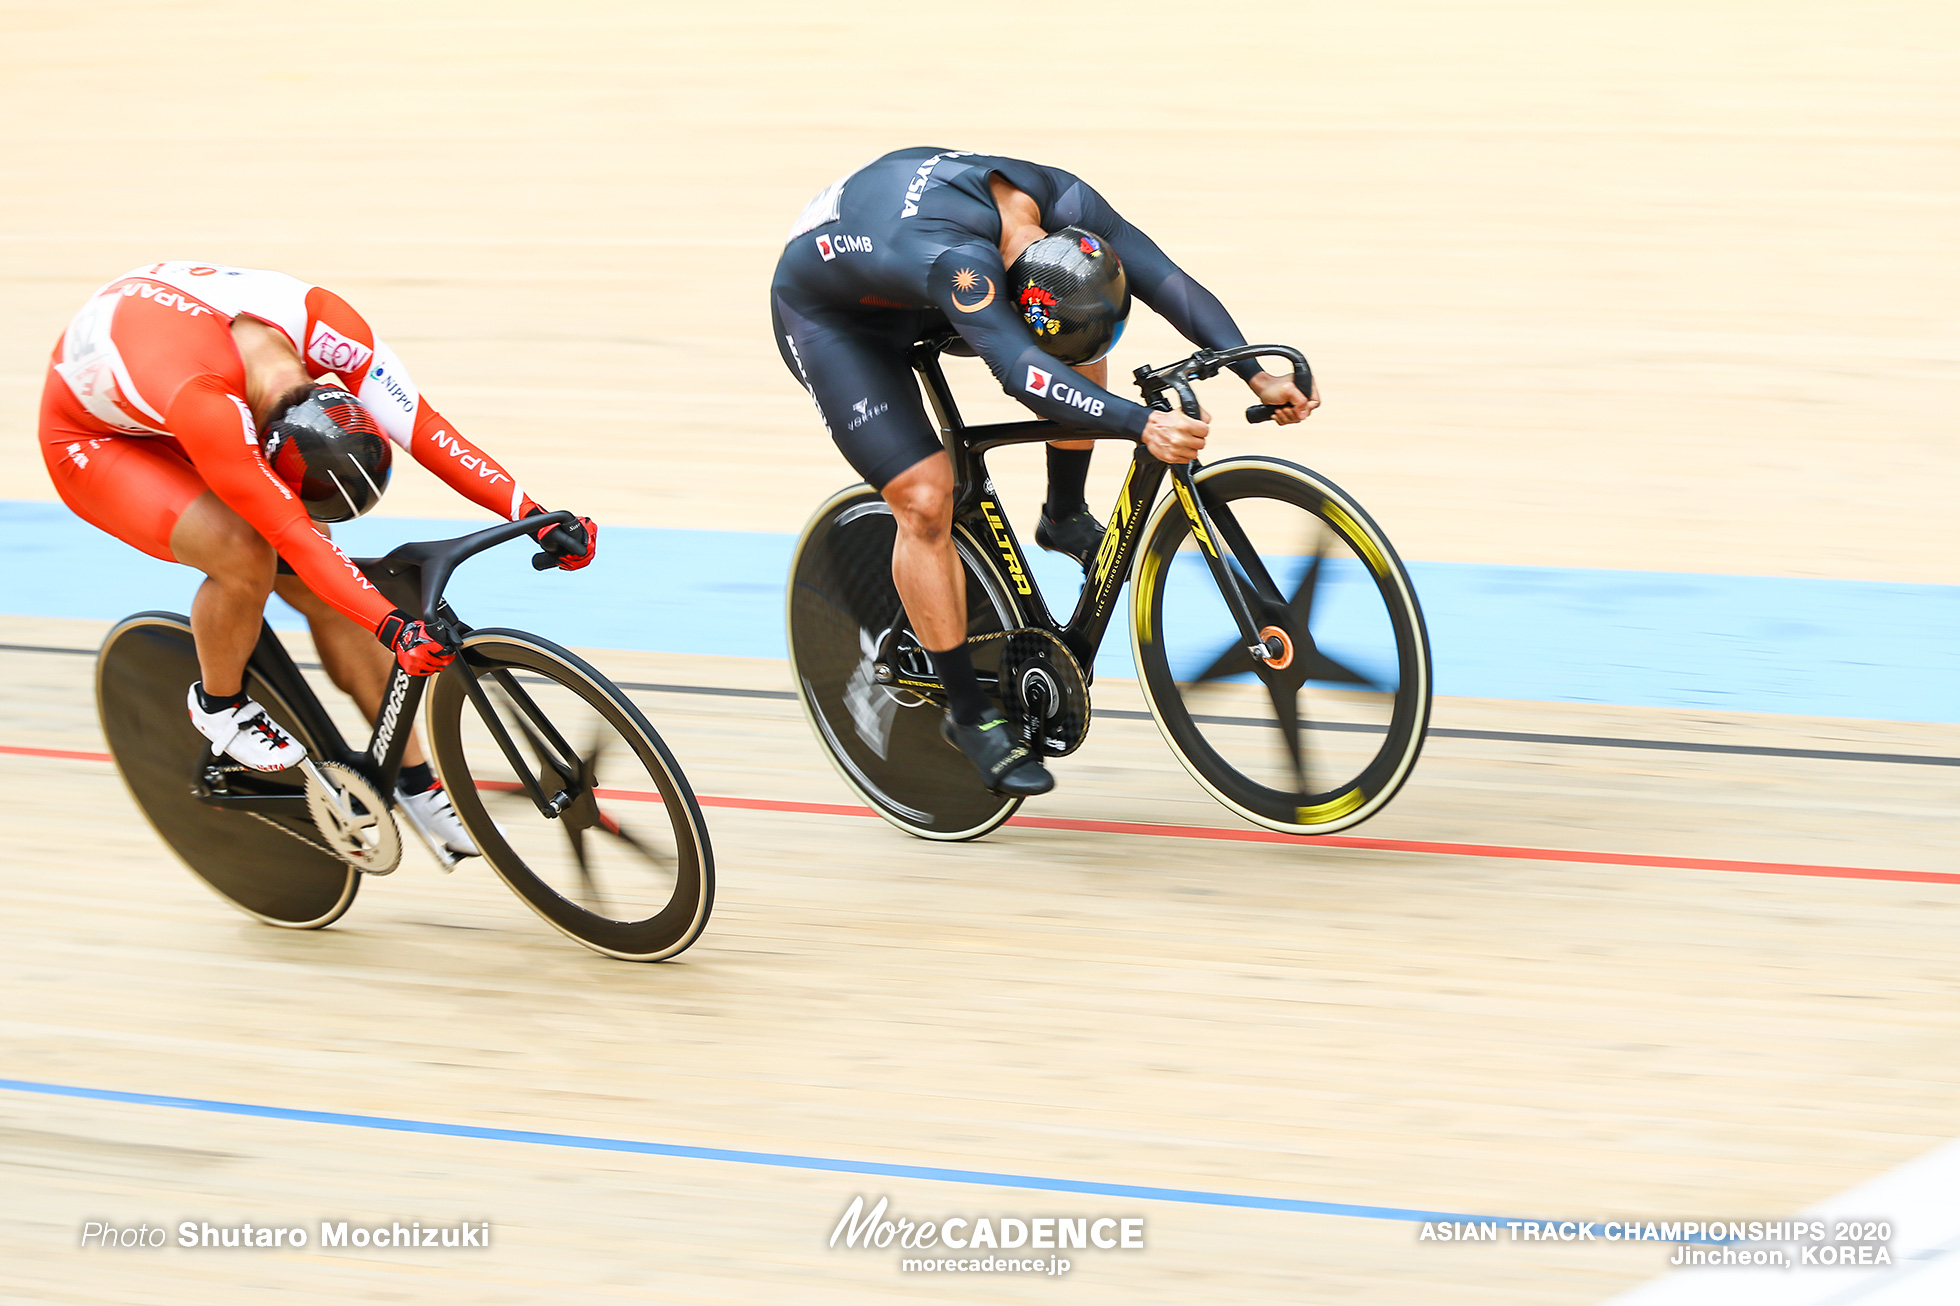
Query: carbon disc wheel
x=274 y=868
x=1321 y=734
x=845 y=619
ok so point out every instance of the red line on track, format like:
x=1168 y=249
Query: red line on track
x=1505 y=852
x=65 y=754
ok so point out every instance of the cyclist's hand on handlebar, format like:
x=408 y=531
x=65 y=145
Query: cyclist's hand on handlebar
x=567 y=547
x=414 y=645
x=1173 y=437
x=1289 y=405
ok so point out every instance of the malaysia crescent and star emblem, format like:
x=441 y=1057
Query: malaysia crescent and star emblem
x=964 y=282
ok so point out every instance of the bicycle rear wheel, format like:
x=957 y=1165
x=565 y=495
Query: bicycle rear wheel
x=572 y=797
x=272 y=868
x=884 y=741
x=1324 y=741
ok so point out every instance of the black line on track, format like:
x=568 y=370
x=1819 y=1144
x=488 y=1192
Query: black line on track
x=1440 y=732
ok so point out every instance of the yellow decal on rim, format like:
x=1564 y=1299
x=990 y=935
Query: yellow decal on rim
x=1197 y=522
x=1333 y=809
x=1146 y=583
x=1357 y=537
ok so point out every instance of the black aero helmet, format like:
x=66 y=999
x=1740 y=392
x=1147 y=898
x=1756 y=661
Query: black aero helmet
x=327 y=448
x=1071 y=289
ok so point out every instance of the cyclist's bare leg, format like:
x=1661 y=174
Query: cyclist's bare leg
x=1098 y=373
x=925 y=566
x=355 y=661
x=238 y=566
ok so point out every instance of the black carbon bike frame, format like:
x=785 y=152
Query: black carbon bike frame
x=976 y=507
x=414 y=576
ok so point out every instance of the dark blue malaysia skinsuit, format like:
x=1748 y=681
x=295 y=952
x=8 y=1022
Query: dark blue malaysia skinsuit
x=910 y=243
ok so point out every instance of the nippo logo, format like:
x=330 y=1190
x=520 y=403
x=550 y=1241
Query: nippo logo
x=825 y=248
x=1037 y=383
x=336 y=352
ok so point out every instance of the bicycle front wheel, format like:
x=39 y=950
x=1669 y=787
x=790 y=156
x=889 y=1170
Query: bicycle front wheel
x=573 y=799
x=1321 y=738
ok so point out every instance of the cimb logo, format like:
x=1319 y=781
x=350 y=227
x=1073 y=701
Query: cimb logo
x=1044 y=386
x=830 y=246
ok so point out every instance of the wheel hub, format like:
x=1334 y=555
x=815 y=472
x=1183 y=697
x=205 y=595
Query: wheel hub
x=1279 y=648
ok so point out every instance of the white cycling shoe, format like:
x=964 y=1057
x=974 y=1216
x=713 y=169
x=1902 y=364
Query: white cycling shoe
x=435 y=819
x=246 y=735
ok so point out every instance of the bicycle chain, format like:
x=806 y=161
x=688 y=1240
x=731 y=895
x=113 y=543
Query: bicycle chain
x=308 y=840
x=1028 y=662
x=278 y=825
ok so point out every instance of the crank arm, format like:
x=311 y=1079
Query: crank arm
x=441 y=853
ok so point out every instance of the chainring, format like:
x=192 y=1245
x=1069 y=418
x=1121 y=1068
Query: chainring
x=353 y=820
x=1041 y=687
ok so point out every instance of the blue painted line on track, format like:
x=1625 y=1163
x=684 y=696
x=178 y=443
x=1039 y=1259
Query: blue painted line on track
x=1862 y=649
x=777 y=1160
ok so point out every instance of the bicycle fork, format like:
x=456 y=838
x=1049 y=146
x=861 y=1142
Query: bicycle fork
x=1268 y=645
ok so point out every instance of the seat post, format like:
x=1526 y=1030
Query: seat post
x=967 y=472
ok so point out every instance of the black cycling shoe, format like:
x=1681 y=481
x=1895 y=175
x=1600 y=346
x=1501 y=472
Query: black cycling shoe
x=1079 y=535
x=1004 y=763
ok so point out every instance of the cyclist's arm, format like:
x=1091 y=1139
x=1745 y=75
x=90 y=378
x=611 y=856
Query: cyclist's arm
x=988 y=320
x=375 y=373
x=1197 y=314
x=413 y=423
x=216 y=430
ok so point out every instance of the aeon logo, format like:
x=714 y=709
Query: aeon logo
x=336 y=352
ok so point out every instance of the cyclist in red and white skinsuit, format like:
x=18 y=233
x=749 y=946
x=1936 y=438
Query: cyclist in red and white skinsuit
x=150 y=423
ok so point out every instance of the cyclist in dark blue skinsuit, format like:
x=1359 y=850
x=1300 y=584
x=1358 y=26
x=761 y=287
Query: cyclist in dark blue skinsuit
x=921 y=239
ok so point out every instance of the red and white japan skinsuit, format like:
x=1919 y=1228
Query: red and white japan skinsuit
x=152 y=354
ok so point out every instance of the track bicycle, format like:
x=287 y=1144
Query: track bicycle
x=558 y=777
x=1278 y=640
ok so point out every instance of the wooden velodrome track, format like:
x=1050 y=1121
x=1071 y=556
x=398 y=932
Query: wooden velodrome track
x=1645 y=286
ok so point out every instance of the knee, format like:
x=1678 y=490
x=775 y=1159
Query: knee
x=922 y=504
x=239 y=558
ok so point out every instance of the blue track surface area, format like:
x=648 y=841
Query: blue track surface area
x=1648 y=639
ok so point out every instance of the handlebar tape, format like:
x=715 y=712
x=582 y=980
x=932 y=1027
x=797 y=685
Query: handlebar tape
x=1264 y=412
x=554 y=542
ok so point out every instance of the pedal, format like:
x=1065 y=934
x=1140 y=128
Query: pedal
x=445 y=859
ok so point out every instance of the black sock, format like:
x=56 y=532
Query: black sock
x=1068 y=480
x=968 y=702
x=213 y=704
x=417 y=779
